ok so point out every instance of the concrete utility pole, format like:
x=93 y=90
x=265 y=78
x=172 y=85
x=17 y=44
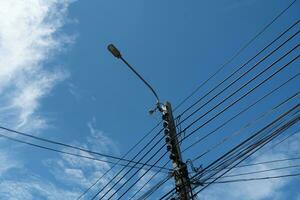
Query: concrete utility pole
x=181 y=176
x=182 y=182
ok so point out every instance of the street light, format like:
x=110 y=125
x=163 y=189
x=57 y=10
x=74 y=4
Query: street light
x=115 y=52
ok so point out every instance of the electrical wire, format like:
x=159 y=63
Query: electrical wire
x=244 y=85
x=268 y=162
x=255 y=147
x=244 y=47
x=262 y=171
x=154 y=188
x=282 y=34
x=248 y=144
x=238 y=146
x=248 y=43
x=254 y=179
x=246 y=94
x=244 y=110
x=72 y=146
x=270 y=134
x=237 y=53
x=62 y=152
x=241 y=67
x=246 y=126
x=279 y=70
x=111 y=168
x=275 y=107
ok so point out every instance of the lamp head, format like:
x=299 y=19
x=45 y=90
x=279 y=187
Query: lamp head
x=114 y=51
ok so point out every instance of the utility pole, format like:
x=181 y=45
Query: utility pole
x=180 y=173
x=182 y=181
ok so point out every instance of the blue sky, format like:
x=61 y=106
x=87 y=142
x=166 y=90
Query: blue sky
x=57 y=80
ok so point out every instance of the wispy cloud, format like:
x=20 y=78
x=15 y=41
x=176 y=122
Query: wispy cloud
x=29 y=37
x=79 y=174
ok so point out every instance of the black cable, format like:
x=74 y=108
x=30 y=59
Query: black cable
x=111 y=168
x=129 y=169
x=255 y=179
x=238 y=146
x=272 y=91
x=273 y=146
x=279 y=70
x=244 y=85
x=237 y=70
x=255 y=147
x=268 y=162
x=62 y=152
x=272 y=161
x=244 y=110
x=146 y=183
x=154 y=188
x=265 y=80
x=262 y=171
x=139 y=177
x=250 y=146
x=246 y=126
x=244 y=96
x=72 y=147
x=237 y=53
x=271 y=133
x=243 y=48
x=259 y=145
x=263 y=163
x=290 y=27
x=281 y=103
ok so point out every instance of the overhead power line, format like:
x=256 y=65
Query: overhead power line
x=264 y=114
x=244 y=85
x=65 y=145
x=252 y=148
x=154 y=188
x=255 y=179
x=251 y=42
x=268 y=162
x=262 y=171
x=264 y=81
x=258 y=53
x=247 y=125
x=64 y=152
x=247 y=152
x=244 y=95
x=255 y=147
x=237 y=53
x=111 y=168
x=240 y=68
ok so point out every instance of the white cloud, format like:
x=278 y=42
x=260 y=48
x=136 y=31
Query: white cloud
x=144 y=180
x=258 y=190
x=79 y=173
x=7 y=163
x=33 y=188
x=29 y=36
x=98 y=139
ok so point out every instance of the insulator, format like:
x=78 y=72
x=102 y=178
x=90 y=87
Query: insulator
x=169 y=147
x=167 y=131
x=168 y=139
x=165 y=124
x=165 y=116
